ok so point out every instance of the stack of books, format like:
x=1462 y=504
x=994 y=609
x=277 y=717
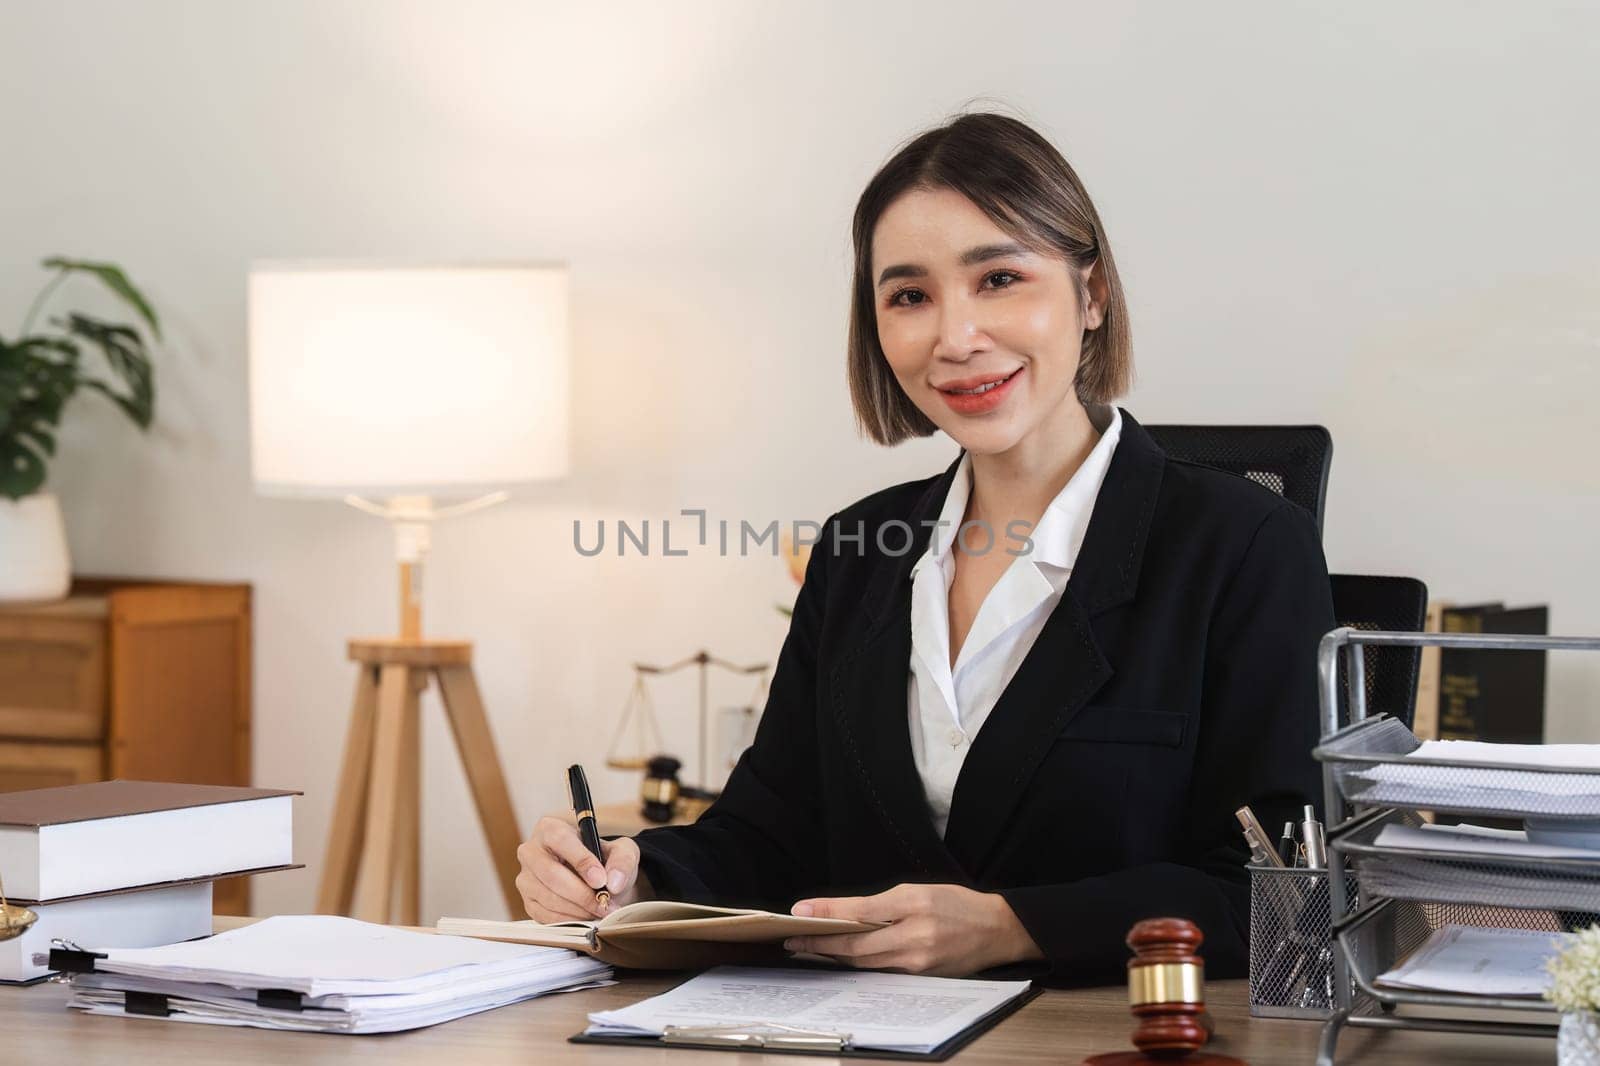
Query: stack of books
x=319 y=973
x=129 y=863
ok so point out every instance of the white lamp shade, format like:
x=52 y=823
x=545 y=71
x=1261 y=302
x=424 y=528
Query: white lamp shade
x=388 y=381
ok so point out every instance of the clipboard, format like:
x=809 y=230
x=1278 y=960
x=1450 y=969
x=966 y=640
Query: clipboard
x=788 y=1040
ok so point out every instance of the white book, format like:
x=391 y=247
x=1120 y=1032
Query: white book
x=57 y=843
x=138 y=919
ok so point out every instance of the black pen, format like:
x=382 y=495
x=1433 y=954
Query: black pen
x=588 y=832
x=1286 y=846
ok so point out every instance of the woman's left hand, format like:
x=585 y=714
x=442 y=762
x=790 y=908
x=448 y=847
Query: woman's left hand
x=945 y=930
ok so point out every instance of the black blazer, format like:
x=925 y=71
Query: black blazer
x=1174 y=682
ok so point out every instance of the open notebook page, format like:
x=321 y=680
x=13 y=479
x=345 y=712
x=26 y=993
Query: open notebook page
x=656 y=918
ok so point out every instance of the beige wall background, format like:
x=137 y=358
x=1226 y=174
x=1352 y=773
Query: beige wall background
x=1374 y=216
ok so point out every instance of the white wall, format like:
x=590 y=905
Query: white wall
x=1375 y=216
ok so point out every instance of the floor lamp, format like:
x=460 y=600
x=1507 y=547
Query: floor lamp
x=391 y=388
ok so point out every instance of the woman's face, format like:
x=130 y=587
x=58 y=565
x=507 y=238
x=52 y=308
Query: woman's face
x=982 y=334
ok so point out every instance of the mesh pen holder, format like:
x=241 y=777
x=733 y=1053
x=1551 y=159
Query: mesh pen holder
x=1292 y=971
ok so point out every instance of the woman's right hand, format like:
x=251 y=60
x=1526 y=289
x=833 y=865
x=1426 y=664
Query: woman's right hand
x=560 y=877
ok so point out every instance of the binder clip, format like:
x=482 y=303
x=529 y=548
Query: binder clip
x=67 y=957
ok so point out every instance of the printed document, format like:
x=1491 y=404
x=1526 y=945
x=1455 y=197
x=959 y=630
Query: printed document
x=1480 y=962
x=1476 y=839
x=894 y=1012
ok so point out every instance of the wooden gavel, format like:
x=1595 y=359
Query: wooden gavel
x=1166 y=992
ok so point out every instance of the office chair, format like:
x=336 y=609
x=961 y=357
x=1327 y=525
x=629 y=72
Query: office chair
x=1292 y=461
x=1396 y=604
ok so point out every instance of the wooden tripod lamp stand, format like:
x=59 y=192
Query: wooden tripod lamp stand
x=407 y=383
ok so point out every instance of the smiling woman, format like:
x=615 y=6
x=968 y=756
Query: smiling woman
x=1007 y=748
x=982 y=205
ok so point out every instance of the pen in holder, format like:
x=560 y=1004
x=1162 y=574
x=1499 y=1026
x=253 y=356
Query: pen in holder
x=1292 y=972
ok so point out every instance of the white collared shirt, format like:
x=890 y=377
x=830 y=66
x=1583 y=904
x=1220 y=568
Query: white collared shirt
x=948 y=707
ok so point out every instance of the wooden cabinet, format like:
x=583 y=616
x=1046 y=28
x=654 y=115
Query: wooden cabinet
x=140 y=680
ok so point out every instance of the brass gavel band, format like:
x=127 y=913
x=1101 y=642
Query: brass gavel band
x=658 y=790
x=1167 y=982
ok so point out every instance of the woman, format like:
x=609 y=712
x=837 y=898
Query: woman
x=1019 y=702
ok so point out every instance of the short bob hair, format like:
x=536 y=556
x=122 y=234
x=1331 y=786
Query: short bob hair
x=1019 y=180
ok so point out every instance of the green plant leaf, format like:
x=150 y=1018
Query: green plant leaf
x=114 y=279
x=129 y=362
x=21 y=470
x=37 y=377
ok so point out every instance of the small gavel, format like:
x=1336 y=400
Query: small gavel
x=1166 y=992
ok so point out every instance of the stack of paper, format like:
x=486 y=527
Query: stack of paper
x=1480 y=962
x=1476 y=840
x=884 y=1011
x=326 y=974
x=1552 y=779
x=1460 y=874
x=1421 y=879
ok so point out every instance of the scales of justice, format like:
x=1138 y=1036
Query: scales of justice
x=14 y=920
x=637 y=743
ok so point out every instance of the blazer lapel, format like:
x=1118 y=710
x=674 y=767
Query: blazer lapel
x=868 y=690
x=1065 y=667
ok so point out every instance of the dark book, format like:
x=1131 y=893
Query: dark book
x=1491 y=694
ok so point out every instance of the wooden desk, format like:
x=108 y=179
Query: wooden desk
x=1060 y=1027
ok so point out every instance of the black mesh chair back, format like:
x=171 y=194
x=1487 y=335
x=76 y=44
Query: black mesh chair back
x=1292 y=461
x=1383 y=603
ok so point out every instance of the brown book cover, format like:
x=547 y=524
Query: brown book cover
x=116 y=799
x=663 y=934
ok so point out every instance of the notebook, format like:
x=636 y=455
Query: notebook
x=663 y=935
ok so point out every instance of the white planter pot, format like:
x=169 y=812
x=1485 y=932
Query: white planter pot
x=1578 y=1039
x=33 y=549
